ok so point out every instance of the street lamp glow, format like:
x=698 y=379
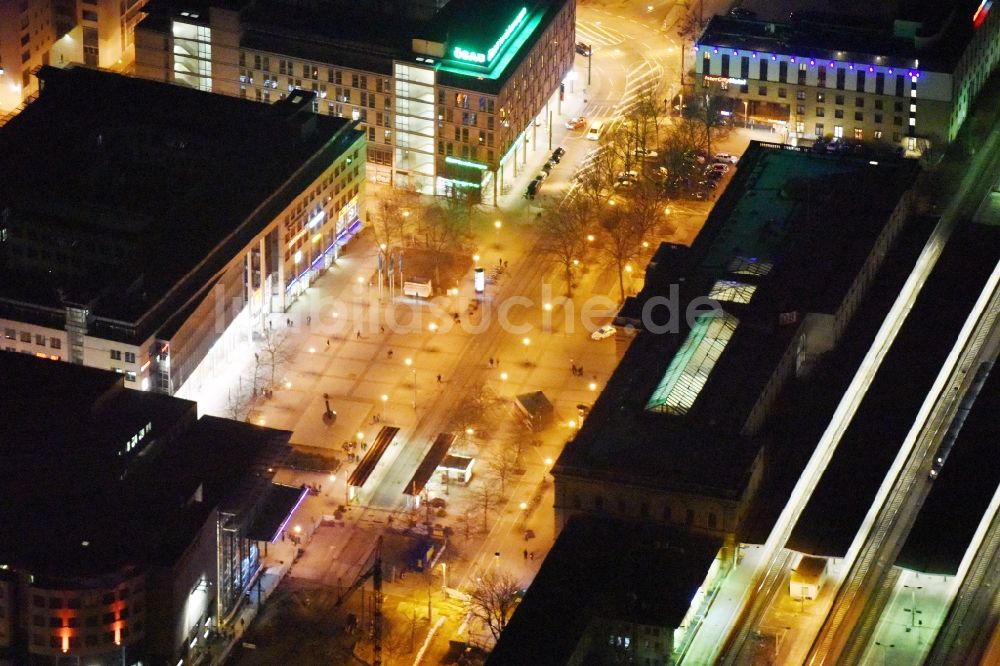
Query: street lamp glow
x=548 y=462
x=261 y=422
x=628 y=268
x=470 y=431
x=361 y=435
x=590 y=238
x=385 y=398
x=548 y=307
x=383 y=246
x=408 y=361
x=592 y=386
x=526 y=341
x=523 y=505
x=475 y=258
x=503 y=376
x=312 y=350
x=361 y=280
x=298 y=529
x=666 y=211
x=432 y=327
x=498 y=224
x=645 y=243
x=571 y=424
x=298 y=256
x=576 y=262
x=333 y=477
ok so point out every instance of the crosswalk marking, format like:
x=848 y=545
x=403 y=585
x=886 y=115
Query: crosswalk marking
x=596 y=34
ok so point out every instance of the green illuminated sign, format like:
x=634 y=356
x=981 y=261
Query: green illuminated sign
x=461 y=162
x=481 y=58
x=464 y=183
x=469 y=56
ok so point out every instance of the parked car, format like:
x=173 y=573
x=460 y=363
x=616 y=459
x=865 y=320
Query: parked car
x=603 y=332
x=725 y=157
x=583 y=49
x=547 y=167
x=557 y=154
x=533 y=188
x=576 y=122
x=646 y=154
x=627 y=179
x=719 y=168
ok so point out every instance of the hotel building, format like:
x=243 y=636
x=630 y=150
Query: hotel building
x=906 y=80
x=449 y=94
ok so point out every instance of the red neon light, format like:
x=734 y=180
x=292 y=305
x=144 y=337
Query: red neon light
x=980 y=15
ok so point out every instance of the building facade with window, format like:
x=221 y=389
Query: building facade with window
x=447 y=93
x=177 y=236
x=147 y=532
x=907 y=85
x=33 y=33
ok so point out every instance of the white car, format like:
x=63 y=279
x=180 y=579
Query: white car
x=726 y=157
x=646 y=153
x=605 y=331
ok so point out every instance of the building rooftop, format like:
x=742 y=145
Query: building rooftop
x=900 y=33
x=966 y=481
x=601 y=569
x=370 y=35
x=97 y=477
x=673 y=411
x=831 y=518
x=167 y=181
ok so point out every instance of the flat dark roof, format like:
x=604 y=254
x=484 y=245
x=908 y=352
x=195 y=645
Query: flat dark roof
x=367 y=465
x=942 y=30
x=603 y=569
x=777 y=212
x=962 y=492
x=171 y=172
x=435 y=456
x=67 y=481
x=833 y=515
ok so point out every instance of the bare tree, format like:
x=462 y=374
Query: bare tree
x=396 y=214
x=563 y=236
x=485 y=495
x=493 y=599
x=275 y=351
x=467 y=523
x=479 y=409
x=708 y=113
x=597 y=175
x=621 y=239
x=502 y=464
x=239 y=404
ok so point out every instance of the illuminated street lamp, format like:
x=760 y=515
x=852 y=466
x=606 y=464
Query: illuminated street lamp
x=503 y=376
x=385 y=399
x=592 y=386
x=590 y=238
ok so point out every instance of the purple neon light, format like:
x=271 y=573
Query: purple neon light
x=812 y=61
x=281 y=528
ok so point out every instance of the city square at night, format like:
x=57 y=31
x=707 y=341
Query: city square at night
x=510 y=332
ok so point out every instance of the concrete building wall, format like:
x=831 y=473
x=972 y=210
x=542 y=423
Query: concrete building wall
x=27 y=31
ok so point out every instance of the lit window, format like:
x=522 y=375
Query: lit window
x=750 y=266
x=732 y=291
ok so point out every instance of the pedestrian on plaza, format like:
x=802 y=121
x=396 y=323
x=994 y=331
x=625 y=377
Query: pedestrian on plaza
x=328 y=343
x=309 y=320
x=491 y=361
x=525 y=553
x=581 y=371
x=381 y=328
x=500 y=263
x=439 y=379
x=390 y=353
x=497 y=360
x=532 y=555
x=359 y=334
